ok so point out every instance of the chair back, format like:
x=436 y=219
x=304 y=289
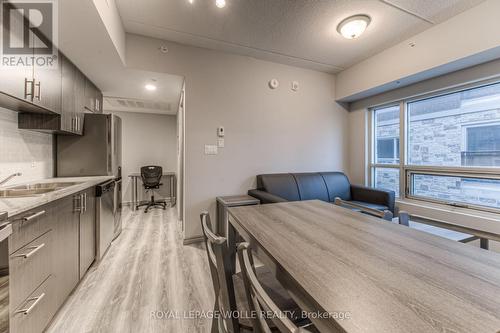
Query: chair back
x=218 y=260
x=259 y=301
x=151 y=175
x=386 y=214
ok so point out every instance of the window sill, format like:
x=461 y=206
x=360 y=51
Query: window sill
x=454 y=216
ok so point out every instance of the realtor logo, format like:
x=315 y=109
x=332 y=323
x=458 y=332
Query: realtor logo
x=29 y=33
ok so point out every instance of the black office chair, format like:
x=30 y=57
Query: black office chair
x=151 y=176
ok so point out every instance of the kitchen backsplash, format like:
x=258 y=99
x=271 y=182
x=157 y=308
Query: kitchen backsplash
x=28 y=152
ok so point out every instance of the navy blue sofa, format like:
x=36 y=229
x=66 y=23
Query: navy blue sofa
x=326 y=186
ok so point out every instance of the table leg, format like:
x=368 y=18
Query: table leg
x=132 y=194
x=136 y=202
x=174 y=182
x=484 y=243
x=171 y=191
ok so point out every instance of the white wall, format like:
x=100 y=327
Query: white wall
x=28 y=152
x=147 y=139
x=112 y=21
x=266 y=130
x=467 y=39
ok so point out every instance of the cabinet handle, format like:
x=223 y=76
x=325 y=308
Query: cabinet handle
x=34 y=216
x=78 y=203
x=34 y=249
x=39 y=85
x=28 y=83
x=85 y=201
x=32 y=306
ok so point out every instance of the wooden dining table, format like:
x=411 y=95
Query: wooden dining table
x=357 y=273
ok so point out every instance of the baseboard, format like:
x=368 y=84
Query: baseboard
x=193 y=240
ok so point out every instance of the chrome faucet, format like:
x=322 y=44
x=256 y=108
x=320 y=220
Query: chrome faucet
x=10 y=177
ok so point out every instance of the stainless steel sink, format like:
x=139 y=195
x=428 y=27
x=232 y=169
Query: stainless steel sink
x=13 y=193
x=36 y=186
x=32 y=190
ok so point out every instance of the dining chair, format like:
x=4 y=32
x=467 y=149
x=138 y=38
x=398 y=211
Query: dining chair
x=216 y=247
x=223 y=282
x=260 y=302
x=386 y=214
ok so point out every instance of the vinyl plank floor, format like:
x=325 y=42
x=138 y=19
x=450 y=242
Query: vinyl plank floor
x=147 y=282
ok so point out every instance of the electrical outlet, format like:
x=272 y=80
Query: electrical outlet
x=33 y=165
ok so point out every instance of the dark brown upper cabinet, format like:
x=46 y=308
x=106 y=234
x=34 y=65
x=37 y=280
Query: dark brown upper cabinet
x=50 y=99
x=26 y=86
x=93 y=97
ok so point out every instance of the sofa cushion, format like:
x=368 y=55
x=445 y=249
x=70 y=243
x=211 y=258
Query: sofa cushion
x=338 y=185
x=280 y=184
x=311 y=186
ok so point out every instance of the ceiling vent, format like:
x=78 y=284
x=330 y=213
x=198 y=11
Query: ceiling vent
x=137 y=105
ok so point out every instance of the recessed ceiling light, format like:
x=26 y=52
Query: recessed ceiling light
x=191 y=1
x=353 y=26
x=220 y=3
x=150 y=87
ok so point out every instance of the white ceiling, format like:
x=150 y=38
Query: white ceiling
x=129 y=85
x=299 y=32
x=85 y=40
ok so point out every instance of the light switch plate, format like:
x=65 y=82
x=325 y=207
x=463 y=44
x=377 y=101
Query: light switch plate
x=210 y=150
x=220 y=143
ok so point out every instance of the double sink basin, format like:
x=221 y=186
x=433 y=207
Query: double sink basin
x=32 y=190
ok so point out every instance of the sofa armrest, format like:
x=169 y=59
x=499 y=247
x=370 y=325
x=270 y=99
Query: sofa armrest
x=375 y=196
x=265 y=197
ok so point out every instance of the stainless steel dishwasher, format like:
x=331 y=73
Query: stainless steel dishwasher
x=105 y=219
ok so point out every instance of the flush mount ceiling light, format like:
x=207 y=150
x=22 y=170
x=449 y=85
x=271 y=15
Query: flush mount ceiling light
x=150 y=87
x=220 y=3
x=353 y=26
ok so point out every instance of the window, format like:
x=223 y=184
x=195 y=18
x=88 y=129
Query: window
x=456 y=189
x=387 y=135
x=482 y=146
x=385 y=166
x=435 y=128
x=451 y=148
x=387 y=179
x=388 y=150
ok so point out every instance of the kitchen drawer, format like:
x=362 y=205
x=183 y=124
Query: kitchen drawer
x=29 y=267
x=36 y=311
x=30 y=225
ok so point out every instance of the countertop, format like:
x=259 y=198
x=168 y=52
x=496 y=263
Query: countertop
x=14 y=206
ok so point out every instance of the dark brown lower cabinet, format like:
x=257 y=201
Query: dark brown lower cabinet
x=50 y=249
x=65 y=255
x=87 y=231
x=35 y=313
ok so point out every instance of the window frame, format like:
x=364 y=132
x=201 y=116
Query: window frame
x=406 y=170
x=444 y=173
x=372 y=150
